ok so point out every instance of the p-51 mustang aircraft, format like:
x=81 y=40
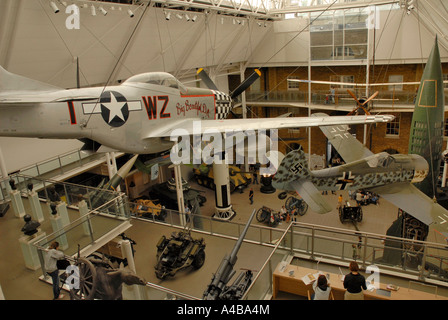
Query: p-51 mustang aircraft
x=136 y=116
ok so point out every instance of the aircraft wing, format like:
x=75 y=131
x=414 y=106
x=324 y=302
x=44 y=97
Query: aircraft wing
x=42 y=97
x=198 y=126
x=348 y=147
x=410 y=199
x=313 y=197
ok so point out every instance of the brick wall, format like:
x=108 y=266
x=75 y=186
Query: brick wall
x=274 y=79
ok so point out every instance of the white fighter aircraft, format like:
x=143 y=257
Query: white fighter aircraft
x=137 y=116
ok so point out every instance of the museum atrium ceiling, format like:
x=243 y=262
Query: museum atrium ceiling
x=433 y=14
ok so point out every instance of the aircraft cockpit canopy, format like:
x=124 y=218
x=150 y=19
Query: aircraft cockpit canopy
x=157 y=78
x=382 y=159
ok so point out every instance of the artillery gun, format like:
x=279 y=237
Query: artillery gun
x=179 y=252
x=218 y=289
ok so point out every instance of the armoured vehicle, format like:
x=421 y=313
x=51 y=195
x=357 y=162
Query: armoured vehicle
x=179 y=252
x=238 y=179
x=149 y=209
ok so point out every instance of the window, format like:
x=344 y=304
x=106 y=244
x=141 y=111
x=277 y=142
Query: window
x=343 y=78
x=339 y=35
x=393 y=127
x=395 y=79
x=445 y=78
x=293 y=85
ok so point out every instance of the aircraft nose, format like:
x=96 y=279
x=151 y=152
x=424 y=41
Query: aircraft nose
x=223 y=104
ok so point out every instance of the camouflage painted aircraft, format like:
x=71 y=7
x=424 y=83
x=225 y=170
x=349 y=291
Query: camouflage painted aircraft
x=137 y=116
x=390 y=175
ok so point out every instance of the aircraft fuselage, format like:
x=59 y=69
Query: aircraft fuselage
x=377 y=170
x=125 y=114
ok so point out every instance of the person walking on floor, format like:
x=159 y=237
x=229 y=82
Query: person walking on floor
x=251 y=196
x=340 y=200
x=255 y=176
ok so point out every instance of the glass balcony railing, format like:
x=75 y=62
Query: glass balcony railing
x=404 y=258
x=388 y=99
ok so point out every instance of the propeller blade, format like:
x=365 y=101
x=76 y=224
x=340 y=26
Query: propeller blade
x=246 y=84
x=353 y=96
x=371 y=97
x=208 y=82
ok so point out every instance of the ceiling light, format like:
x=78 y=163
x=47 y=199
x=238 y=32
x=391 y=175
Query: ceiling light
x=167 y=15
x=104 y=12
x=54 y=7
x=187 y=17
x=194 y=18
x=179 y=16
x=130 y=13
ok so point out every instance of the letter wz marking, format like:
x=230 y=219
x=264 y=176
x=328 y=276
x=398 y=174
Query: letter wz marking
x=151 y=107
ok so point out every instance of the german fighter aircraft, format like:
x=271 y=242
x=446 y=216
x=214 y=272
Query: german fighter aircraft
x=137 y=116
x=391 y=176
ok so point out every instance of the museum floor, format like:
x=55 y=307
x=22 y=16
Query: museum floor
x=19 y=283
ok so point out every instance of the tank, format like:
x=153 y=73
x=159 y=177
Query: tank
x=178 y=252
x=238 y=179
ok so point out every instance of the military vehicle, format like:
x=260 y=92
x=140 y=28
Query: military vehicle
x=268 y=216
x=238 y=179
x=295 y=205
x=149 y=209
x=349 y=213
x=218 y=288
x=179 y=252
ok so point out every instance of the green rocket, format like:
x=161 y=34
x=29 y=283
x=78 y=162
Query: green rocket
x=426 y=134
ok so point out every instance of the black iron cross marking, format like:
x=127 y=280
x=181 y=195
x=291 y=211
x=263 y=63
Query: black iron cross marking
x=345 y=180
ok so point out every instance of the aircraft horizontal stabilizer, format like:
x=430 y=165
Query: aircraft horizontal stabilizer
x=308 y=191
x=293 y=175
x=10 y=82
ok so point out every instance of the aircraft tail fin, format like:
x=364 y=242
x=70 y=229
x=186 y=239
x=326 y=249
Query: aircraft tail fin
x=10 y=82
x=293 y=175
x=293 y=166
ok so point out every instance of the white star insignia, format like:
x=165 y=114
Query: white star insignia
x=114 y=108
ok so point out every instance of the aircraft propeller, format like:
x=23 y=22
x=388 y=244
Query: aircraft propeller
x=235 y=93
x=361 y=103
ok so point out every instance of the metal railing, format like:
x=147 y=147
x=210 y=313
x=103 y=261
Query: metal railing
x=385 y=98
x=57 y=164
x=405 y=258
x=413 y=259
